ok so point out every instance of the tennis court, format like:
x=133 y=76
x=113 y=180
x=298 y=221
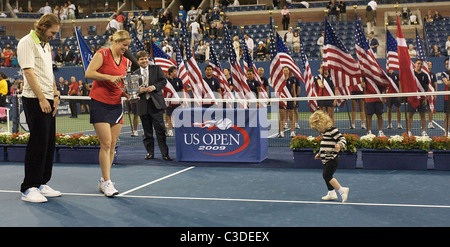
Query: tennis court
x=272 y=193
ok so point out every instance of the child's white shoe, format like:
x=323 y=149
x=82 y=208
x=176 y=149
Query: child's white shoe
x=330 y=196
x=344 y=193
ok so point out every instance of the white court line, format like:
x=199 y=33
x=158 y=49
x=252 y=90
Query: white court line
x=286 y=201
x=440 y=127
x=155 y=181
x=258 y=200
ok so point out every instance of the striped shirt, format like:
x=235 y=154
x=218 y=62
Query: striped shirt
x=330 y=138
x=32 y=53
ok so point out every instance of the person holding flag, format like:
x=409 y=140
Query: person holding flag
x=325 y=87
x=291 y=85
x=422 y=107
x=408 y=82
x=433 y=85
x=446 y=80
x=177 y=84
x=212 y=82
x=393 y=101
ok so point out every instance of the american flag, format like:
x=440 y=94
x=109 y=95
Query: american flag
x=373 y=72
x=286 y=58
x=137 y=43
x=344 y=70
x=391 y=50
x=197 y=82
x=248 y=63
x=218 y=73
x=276 y=69
x=426 y=70
x=161 y=58
x=309 y=79
x=183 y=74
x=240 y=81
x=408 y=80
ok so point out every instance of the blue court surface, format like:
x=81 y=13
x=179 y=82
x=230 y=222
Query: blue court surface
x=173 y=194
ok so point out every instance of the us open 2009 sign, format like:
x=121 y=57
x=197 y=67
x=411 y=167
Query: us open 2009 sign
x=221 y=135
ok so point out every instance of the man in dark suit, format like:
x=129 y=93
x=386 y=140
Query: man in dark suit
x=68 y=56
x=150 y=107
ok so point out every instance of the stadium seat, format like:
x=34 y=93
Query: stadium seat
x=92 y=30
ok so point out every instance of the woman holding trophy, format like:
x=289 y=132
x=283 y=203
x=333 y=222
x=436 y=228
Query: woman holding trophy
x=107 y=69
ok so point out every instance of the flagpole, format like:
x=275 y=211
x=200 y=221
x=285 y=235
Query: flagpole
x=79 y=49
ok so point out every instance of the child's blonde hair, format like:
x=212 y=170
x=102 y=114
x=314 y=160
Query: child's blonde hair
x=320 y=121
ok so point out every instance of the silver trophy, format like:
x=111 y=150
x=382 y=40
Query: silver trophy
x=131 y=83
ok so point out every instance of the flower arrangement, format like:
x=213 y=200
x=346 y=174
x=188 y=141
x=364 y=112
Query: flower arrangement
x=15 y=138
x=300 y=141
x=77 y=140
x=440 y=143
x=61 y=139
x=371 y=141
x=352 y=142
x=410 y=142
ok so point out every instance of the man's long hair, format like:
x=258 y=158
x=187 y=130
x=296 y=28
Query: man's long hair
x=44 y=23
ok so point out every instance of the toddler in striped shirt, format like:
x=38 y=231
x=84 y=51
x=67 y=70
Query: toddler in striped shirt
x=332 y=142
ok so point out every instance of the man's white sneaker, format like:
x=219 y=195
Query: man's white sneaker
x=430 y=125
x=330 y=196
x=107 y=187
x=47 y=191
x=33 y=195
x=344 y=194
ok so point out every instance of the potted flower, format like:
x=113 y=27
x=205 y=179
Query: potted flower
x=348 y=155
x=3 y=144
x=16 y=146
x=78 y=148
x=440 y=147
x=397 y=152
x=303 y=148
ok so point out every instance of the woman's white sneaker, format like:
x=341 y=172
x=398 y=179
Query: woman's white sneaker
x=107 y=187
x=330 y=196
x=33 y=195
x=47 y=191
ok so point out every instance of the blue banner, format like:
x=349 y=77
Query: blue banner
x=221 y=135
x=85 y=50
